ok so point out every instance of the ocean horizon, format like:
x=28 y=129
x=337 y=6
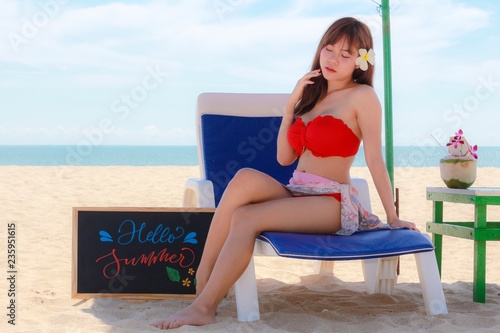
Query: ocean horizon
x=121 y=155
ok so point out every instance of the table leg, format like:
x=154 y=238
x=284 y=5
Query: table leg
x=479 y=289
x=437 y=240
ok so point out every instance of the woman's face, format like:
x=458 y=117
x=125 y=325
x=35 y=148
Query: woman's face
x=337 y=61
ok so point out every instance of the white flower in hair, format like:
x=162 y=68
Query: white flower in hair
x=364 y=58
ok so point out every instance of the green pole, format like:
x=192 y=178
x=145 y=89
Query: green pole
x=386 y=25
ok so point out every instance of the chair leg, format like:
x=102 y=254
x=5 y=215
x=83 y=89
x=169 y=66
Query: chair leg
x=386 y=275
x=323 y=266
x=245 y=289
x=370 y=267
x=430 y=282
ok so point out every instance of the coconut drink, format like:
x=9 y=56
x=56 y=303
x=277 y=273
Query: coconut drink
x=458 y=168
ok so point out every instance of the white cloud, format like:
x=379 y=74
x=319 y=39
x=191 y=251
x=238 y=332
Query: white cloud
x=427 y=39
x=437 y=56
x=437 y=62
x=62 y=135
x=116 y=40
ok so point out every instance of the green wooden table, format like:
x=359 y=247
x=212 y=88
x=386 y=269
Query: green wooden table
x=480 y=230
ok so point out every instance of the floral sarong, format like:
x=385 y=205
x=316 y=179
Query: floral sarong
x=353 y=216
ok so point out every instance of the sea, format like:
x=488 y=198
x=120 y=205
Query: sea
x=39 y=155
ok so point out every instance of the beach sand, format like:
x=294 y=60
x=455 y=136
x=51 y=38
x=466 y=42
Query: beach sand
x=39 y=201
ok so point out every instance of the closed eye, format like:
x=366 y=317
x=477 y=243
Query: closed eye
x=346 y=54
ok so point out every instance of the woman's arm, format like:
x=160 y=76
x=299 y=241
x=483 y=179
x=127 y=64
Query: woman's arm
x=285 y=153
x=369 y=117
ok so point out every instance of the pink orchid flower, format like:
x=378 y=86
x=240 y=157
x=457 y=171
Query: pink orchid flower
x=457 y=139
x=460 y=139
x=473 y=151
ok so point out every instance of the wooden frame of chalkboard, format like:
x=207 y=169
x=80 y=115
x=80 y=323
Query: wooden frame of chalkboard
x=137 y=253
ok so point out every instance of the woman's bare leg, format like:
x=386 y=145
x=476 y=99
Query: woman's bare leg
x=248 y=186
x=306 y=214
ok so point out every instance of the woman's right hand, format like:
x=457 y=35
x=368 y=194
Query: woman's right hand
x=297 y=92
x=285 y=154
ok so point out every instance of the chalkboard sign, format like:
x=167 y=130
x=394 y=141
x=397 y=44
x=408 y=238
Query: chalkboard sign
x=137 y=252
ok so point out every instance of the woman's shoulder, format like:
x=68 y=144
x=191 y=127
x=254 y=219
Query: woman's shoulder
x=363 y=93
x=365 y=101
x=360 y=89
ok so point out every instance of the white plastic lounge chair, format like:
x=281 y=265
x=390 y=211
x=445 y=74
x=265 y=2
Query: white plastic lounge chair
x=239 y=130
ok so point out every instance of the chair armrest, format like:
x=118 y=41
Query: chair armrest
x=198 y=193
x=361 y=185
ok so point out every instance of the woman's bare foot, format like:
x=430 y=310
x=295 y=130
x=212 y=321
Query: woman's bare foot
x=191 y=315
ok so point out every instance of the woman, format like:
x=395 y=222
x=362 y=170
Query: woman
x=330 y=111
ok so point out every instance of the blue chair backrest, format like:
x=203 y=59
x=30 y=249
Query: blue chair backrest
x=234 y=142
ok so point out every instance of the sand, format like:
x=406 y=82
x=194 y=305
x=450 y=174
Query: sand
x=39 y=201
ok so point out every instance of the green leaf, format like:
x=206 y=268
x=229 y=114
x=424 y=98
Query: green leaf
x=173 y=274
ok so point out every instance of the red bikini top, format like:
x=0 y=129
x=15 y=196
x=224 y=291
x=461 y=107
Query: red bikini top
x=323 y=136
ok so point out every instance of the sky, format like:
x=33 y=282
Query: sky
x=129 y=72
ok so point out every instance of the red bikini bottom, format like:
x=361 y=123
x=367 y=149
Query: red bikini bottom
x=303 y=183
x=334 y=195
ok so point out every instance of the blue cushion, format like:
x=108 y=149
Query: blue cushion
x=360 y=245
x=232 y=142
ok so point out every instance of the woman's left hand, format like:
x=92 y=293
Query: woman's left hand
x=398 y=223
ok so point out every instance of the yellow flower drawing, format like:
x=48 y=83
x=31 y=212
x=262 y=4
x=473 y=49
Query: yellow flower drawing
x=186 y=282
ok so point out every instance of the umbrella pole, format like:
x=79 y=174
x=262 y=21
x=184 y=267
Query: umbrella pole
x=386 y=25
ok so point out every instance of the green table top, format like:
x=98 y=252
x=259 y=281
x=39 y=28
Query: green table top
x=476 y=191
x=472 y=195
